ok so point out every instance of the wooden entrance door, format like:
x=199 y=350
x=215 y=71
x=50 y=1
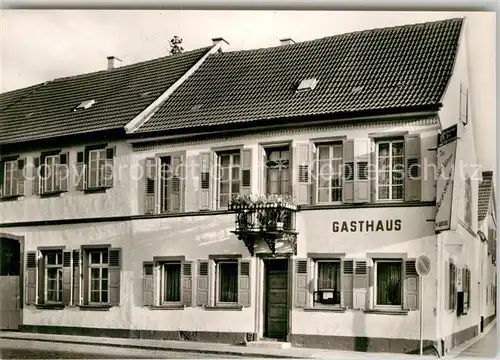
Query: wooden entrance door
x=276 y=299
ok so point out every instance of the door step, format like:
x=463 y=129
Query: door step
x=269 y=344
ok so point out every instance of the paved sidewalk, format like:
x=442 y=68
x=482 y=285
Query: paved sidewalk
x=461 y=350
x=206 y=348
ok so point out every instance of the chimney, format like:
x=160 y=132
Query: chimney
x=218 y=40
x=287 y=41
x=113 y=62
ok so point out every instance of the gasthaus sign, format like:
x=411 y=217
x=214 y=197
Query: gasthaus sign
x=446 y=154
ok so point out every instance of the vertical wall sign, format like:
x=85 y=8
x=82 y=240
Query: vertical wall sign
x=446 y=154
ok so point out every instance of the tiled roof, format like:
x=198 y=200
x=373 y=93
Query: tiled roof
x=120 y=94
x=484 y=195
x=389 y=68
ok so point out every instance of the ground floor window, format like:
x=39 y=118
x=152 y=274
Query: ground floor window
x=327 y=287
x=388 y=282
x=170 y=282
x=53 y=275
x=227 y=282
x=98 y=276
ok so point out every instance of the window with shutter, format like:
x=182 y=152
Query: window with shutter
x=388 y=283
x=328 y=172
x=99 y=166
x=172 y=180
x=327 y=284
x=228 y=180
x=277 y=167
x=226 y=282
x=390 y=169
x=10 y=176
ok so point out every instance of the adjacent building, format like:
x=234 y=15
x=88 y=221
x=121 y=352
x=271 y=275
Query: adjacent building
x=278 y=193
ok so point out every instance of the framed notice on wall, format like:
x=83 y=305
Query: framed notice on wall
x=446 y=156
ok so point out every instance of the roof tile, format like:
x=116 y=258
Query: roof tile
x=120 y=95
x=394 y=68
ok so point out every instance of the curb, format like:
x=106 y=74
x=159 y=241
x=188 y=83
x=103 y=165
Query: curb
x=163 y=348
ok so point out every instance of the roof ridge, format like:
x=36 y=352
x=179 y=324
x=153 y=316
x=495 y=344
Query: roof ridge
x=121 y=68
x=129 y=66
x=386 y=28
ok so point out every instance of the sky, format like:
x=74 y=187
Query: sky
x=41 y=45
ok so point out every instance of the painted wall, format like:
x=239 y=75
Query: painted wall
x=116 y=201
x=197 y=237
x=416 y=237
x=428 y=133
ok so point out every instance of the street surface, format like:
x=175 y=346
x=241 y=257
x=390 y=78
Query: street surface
x=28 y=349
x=485 y=348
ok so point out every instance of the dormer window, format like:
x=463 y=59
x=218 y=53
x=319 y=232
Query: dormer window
x=307 y=84
x=85 y=105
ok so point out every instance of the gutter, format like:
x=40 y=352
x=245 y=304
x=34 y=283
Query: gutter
x=289 y=125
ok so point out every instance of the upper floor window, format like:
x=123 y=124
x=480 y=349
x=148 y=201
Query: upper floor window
x=278 y=170
x=12 y=178
x=229 y=176
x=390 y=170
x=329 y=170
x=95 y=168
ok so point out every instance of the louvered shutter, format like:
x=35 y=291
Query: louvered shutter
x=464 y=290
x=410 y=286
x=177 y=187
x=301 y=283
x=360 y=284
x=2 y=170
x=348 y=171
x=202 y=284
x=314 y=172
x=302 y=187
x=373 y=171
x=66 y=277
x=77 y=271
x=244 y=283
x=81 y=177
x=148 y=283
x=469 y=294
x=20 y=176
x=36 y=176
x=187 y=283
x=109 y=167
x=150 y=186
x=412 y=164
x=246 y=171
x=31 y=277
x=206 y=172
x=362 y=154
x=64 y=171
x=40 y=263
x=262 y=170
x=114 y=273
x=347 y=282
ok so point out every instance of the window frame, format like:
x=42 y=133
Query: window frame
x=218 y=283
x=13 y=180
x=59 y=277
x=316 y=282
x=99 y=266
x=375 y=285
x=390 y=171
x=280 y=148
x=231 y=182
x=162 y=288
x=98 y=170
x=330 y=188
x=54 y=173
